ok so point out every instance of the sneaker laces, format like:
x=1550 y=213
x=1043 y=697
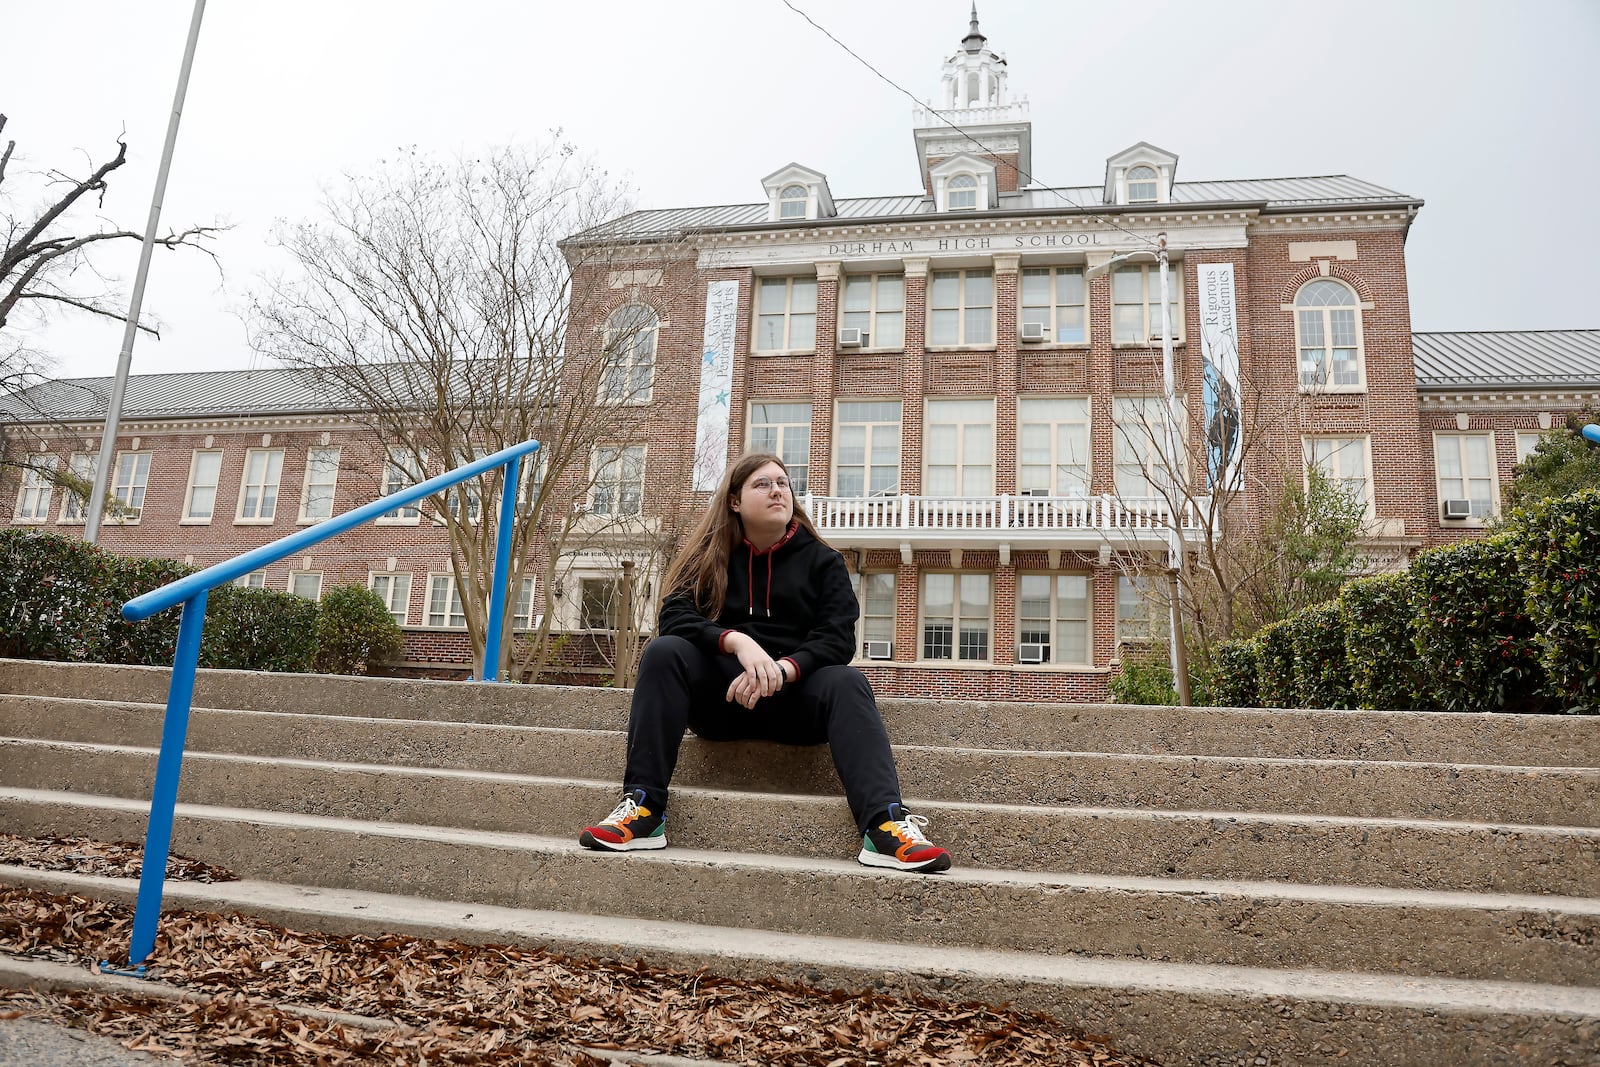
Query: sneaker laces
x=909 y=829
x=626 y=810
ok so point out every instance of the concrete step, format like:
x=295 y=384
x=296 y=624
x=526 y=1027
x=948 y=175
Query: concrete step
x=1565 y=796
x=1459 y=935
x=1185 y=1015
x=1431 y=737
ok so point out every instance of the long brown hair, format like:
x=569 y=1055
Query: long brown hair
x=701 y=567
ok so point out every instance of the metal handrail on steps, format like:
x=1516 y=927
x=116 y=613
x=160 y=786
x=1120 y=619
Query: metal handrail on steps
x=191 y=590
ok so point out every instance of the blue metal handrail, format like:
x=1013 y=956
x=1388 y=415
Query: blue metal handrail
x=1592 y=432
x=191 y=590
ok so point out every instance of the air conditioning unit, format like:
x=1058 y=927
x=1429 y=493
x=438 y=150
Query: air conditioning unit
x=852 y=337
x=1037 y=492
x=1033 y=332
x=1032 y=653
x=1458 y=509
x=880 y=649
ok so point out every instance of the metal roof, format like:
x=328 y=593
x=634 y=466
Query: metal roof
x=1507 y=359
x=1275 y=193
x=217 y=394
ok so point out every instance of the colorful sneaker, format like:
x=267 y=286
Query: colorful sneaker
x=898 y=843
x=630 y=826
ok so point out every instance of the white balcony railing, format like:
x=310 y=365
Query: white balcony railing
x=1002 y=518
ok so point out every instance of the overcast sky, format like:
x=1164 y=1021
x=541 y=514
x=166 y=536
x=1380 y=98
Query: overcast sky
x=1486 y=110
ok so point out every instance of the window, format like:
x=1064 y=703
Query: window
x=1141 y=185
x=630 y=347
x=444 y=603
x=785 y=431
x=401 y=469
x=394 y=590
x=1140 y=618
x=322 y=476
x=597 y=603
x=200 y=501
x=867 y=443
x=786 y=319
x=961 y=194
x=306 y=583
x=1136 y=304
x=522 y=616
x=1527 y=441
x=792 y=202
x=470 y=491
x=1053 y=611
x=133 y=474
x=1053 y=445
x=959 y=444
x=1053 y=298
x=875 y=304
x=1140 y=432
x=75 y=508
x=253 y=580
x=955 y=616
x=33 y=498
x=1465 y=466
x=618 y=480
x=1343 y=461
x=530 y=479
x=961 y=308
x=258 y=491
x=877 y=610
x=1328 y=327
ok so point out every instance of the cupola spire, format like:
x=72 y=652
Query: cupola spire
x=974 y=39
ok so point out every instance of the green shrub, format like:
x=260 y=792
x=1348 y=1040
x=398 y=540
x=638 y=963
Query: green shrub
x=1146 y=678
x=53 y=596
x=153 y=641
x=1234 y=681
x=1380 y=651
x=1478 y=647
x=258 y=630
x=1321 y=675
x=1276 y=682
x=1558 y=552
x=354 y=631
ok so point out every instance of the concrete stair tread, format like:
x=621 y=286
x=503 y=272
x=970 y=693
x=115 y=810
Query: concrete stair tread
x=334 y=909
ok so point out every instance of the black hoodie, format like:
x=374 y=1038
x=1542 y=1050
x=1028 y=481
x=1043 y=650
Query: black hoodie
x=794 y=599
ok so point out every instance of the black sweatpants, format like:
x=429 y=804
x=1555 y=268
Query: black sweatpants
x=679 y=687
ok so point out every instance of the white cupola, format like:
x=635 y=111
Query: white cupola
x=975 y=115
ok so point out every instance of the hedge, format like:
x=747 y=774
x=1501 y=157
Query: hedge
x=1558 y=552
x=1379 y=648
x=1234 y=682
x=1478 y=645
x=354 y=631
x=258 y=630
x=1321 y=676
x=1277 y=686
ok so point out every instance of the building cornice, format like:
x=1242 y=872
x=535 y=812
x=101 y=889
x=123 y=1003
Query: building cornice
x=1460 y=399
x=86 y=428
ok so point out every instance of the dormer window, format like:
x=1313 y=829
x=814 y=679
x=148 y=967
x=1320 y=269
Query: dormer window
x=792 y=202
x=962 y=193
x=1141 y=185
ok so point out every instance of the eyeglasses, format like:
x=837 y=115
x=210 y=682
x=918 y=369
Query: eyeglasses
x=763 y=485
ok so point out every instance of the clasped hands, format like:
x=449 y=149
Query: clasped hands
x=762 y=675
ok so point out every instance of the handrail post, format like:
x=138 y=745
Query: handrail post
x=164 y=796
x=502 y=567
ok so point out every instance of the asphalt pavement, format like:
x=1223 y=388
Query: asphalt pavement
x=32 y=1043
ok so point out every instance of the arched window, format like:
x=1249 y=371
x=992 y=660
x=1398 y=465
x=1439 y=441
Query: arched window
x=630 y=356
x=792 y=202
x=1328 y=334
x=962 y=193
x=1142 y=185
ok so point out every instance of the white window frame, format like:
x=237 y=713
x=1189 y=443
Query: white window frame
x=1138 y=431
x=785 y=318
x=75 y=506
x=968 y=426
x=874 y=625
x=586 y=582
x=1324 y=364
x=189 y=517
x=958 y=621
x=1153 y=624
x=295 y=579
x=1057 y=617
x=876 y=433
x=1068 y=435
x=1457 y=440
x=36 y=488
x=522 y=614
x=965 y=309
x=331 y=484
x=1149 y=301
x=611 y=480
x=271 y=474
x=401 y=470
x=1348 y=467
x=1131 y=176
x=788 y=201
x=965 y=186
x=128 y=487
x=785 y=435
x=1054 y=311
x=392 y=583
x=627 y=375
x=1527 y=441
x=253 y=580
x=452 y=608
x=877 y=310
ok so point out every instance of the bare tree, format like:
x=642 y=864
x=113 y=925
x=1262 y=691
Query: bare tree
x=438 y=299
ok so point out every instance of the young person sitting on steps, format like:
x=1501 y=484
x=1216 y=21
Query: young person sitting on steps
x=754 y=642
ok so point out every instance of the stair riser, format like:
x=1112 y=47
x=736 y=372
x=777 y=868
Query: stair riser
x=1511 y=740
x=1569 y=797
x=1453 y=942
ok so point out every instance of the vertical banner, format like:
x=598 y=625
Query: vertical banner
x=1219 y=349
x=716 y=385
